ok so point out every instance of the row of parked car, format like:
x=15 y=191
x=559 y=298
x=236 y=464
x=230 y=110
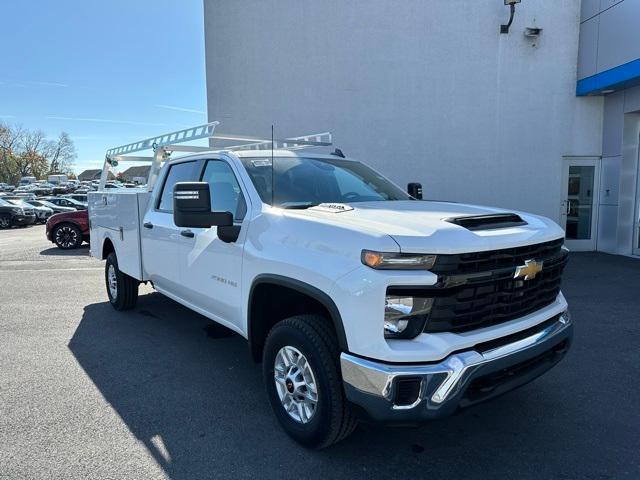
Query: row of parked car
x=43 y=188
x=65 y=216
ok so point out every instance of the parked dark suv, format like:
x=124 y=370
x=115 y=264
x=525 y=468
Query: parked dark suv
x=11 y=215
x=68 y=230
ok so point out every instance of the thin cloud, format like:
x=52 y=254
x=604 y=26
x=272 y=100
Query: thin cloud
x=101 y=138
x=181 y=109
x=48 y=84
x=105 y=120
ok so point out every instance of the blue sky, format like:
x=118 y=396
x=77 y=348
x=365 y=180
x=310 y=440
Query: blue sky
x=106 y=72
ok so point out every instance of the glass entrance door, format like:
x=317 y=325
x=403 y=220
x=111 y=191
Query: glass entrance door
x=579 y=210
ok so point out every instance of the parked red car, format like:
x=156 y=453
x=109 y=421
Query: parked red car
x=68 y=229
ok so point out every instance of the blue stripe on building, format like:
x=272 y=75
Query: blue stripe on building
x=622 y=76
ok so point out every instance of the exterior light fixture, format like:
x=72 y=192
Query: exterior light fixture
x=512 y=7
x=532 y=32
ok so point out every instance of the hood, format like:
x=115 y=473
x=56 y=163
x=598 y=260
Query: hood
x=73 y=214
x=426 y=227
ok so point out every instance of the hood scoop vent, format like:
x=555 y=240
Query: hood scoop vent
x=488 y=222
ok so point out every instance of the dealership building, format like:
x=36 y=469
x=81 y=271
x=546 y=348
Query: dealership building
x=544 y=117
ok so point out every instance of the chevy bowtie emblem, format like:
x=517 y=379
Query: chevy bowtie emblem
x=529 y=270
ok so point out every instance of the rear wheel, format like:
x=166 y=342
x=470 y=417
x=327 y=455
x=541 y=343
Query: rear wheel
x=302 y=376
x=5 y=221
x=67 y=236
x=121 y=288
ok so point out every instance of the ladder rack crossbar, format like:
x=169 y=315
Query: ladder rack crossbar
x=180 y=136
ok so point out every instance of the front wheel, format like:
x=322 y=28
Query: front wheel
x=5 y=221
x=302 y=376
x=121 y=288
x=67 y=236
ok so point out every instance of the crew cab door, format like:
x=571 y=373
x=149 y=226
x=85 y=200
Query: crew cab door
x=163 y=244
x=212 y=268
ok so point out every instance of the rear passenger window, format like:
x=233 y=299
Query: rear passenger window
x=180 y=172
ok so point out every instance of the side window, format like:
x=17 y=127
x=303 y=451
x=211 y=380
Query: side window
x=226 y=195
x=180 y=172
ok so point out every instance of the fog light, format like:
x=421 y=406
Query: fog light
x=407 y=391
x=405 y=316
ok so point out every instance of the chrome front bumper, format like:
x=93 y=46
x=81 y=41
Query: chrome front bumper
x=460 y=380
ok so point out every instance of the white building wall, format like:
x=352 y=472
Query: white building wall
x=423 y=90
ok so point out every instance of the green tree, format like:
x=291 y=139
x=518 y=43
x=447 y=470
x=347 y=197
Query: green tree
x=28 y=153
x=10 y=138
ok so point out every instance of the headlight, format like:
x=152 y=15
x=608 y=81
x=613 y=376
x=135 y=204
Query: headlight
x=17 y=211
x=405 y=315
x=397 y=261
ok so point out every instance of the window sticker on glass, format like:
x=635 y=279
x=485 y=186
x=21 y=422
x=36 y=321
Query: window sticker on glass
x=261 y=162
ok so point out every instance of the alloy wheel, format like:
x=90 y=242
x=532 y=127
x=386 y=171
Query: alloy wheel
x=295 y=384
x=66 y=236
x=112 y=280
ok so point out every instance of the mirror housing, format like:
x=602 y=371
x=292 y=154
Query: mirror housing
x=192 y=207
x=415 y=190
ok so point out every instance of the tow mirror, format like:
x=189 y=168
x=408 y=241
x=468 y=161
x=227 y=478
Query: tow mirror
x=415 y=190
x=192 y=207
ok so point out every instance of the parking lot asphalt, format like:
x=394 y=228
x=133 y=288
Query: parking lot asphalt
x=87 y=392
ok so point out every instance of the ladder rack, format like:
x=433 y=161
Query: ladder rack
x=163 y=145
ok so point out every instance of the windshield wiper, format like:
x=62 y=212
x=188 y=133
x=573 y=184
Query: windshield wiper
x=297 y=205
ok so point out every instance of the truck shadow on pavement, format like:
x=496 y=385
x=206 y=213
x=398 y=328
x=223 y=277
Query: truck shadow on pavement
x=82 y=251
x=198 y=405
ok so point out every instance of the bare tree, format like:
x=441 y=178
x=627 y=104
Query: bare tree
x=60 y=153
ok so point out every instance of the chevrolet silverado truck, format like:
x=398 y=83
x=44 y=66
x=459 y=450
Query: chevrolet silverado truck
x=360 y=301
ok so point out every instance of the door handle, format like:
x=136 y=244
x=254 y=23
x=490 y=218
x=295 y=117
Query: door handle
x=187 y=233
x=147 y=225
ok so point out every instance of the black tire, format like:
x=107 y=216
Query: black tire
x=67 y=236
x=126 y=292
x=5 y=221
x=314 y=337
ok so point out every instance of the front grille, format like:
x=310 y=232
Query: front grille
x=492 y=259
x=481 y=290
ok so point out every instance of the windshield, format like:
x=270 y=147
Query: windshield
x=4 y=203
x=303 y=182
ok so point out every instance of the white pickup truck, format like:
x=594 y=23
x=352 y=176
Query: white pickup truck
x=359 y=300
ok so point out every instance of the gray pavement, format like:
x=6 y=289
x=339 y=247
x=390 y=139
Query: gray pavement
x=87 y=392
